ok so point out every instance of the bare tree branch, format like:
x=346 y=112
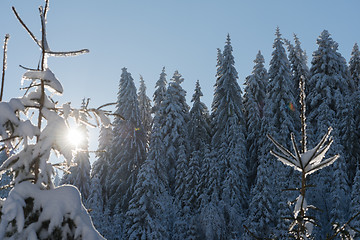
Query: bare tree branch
x=26 y=28
x=7 y=36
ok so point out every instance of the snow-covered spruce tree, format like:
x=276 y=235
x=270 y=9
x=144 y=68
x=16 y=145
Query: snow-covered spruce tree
x=211 y=211
x=79 y=174
x=254 y=100
x=352 y=144
x=199 y=137
x=228 y=143
x=145 y=109
x=298 y=63
x=354 y=66
x=328 y=106
x=160 y=91
x=100 y=167
x=35 y=209
x=174 y=116
x=128 y=147
x=146 y=208
x=173 y=119
x=355 y=200
x=95 y=205
x=280 y=121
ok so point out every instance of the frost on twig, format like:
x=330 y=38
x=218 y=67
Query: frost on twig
x=309 y=161
x=7 y=36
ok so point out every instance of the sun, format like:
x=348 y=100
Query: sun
x=75 y=137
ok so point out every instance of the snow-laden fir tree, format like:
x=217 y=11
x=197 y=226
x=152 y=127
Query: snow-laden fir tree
x=95 y=205
x=174 y=116
x=328 y=106
x=146 y=206
x=173 y=119
x=128 y=146
x=228 y=142
x=79 y=175
x=254 y=101
x=354 y=66
x=211 y=216
x=100 y=167
x=352 y=144
x=145 y=108
x=280 y=120
x=34 y=209
x=199 y=137
x=298 y=63
x=160 y=91
x=355 y=200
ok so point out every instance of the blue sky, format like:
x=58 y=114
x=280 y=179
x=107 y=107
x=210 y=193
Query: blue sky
x=145 y=35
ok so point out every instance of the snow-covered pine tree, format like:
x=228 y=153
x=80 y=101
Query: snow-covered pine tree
x=354 y=66
x=254 y=100
x=145 y=109
x=79 y=175
x=174 y=115
x=128 y=147
x=228 y=143
x=355 y=201
x=160 y=91
x=199 y=137
x=280 y=120
x=146 y=209
x=327 y=106
x=211 y=216
x=352 y=145
x=95 y=204
x=298 y=63
x=41 y=211
x=100 y=167
x=173 y=119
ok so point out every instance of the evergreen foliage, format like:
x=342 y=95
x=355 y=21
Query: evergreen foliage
x=174 y=115
x=228 y=142
x=145 y=109
x=145 y=208
x=160 y=91
x=128 y=146
x=254 y=101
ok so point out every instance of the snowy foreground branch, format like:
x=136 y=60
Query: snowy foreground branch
x=35 y=209
x=306 y=162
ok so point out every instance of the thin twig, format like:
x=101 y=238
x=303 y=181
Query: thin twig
x=26 y=28
x=7 y=36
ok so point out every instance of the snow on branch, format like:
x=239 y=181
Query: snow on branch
x=307 y=162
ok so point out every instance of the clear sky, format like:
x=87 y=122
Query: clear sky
x=145 y=35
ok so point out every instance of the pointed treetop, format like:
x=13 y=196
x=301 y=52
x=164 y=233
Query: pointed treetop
x=198 y=93
x=278 y=34
x=177 y=77
x=259 y=58
x=163 y=70
x=228 y=39
x=355 y=48
x=124 y=69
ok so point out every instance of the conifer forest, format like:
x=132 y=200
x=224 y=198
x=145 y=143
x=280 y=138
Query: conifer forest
x=275 y=159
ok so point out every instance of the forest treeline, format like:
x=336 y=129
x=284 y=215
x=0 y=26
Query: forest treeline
x=165 y=170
